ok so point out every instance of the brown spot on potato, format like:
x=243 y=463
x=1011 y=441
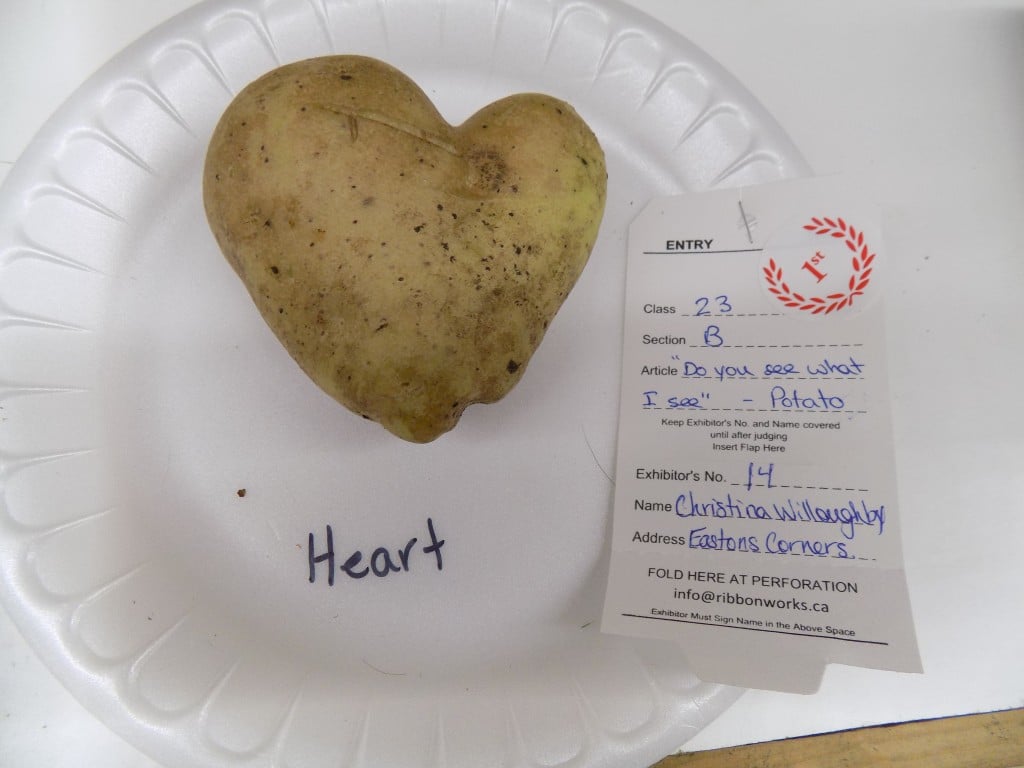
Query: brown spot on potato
x=490 y=169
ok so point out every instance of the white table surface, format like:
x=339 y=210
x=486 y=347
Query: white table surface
x=921 y=100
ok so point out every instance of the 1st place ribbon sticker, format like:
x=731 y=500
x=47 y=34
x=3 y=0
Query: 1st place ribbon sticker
x=822 y=264
x=755 y=512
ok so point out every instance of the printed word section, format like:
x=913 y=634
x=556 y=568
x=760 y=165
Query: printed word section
x=755 y=499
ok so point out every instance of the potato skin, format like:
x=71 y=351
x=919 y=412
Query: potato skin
x=410 y=268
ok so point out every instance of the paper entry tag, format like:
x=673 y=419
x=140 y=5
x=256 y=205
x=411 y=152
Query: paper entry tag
x=755 y=516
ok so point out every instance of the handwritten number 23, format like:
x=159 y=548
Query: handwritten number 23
x=722 y=302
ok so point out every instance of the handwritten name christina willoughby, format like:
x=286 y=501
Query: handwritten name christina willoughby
x=381 y=563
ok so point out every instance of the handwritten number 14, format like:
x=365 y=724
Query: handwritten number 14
x=755 y=472
x=721 y=303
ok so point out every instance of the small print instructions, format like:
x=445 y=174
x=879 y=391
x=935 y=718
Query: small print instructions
x=756 y=515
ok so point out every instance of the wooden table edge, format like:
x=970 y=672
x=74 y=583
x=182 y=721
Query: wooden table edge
x=986 y=740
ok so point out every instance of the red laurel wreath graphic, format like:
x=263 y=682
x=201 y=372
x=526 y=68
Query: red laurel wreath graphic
x=818 y=305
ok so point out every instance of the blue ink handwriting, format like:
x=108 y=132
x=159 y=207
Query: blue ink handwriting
x=827 y=368
x=793 y=400
x=722 y=302
x=847 y=515
x=676 y=402
x=773 y=544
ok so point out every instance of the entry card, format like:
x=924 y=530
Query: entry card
x=756 y=517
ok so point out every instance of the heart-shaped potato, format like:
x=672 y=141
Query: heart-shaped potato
x=409 y=267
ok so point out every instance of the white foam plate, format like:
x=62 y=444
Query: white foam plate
x=140 y=391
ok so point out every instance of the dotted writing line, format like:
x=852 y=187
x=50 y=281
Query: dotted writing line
x=802 y=487
x=744 y=410
x=773 y=346
x=732 y=314
x=773 y=378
